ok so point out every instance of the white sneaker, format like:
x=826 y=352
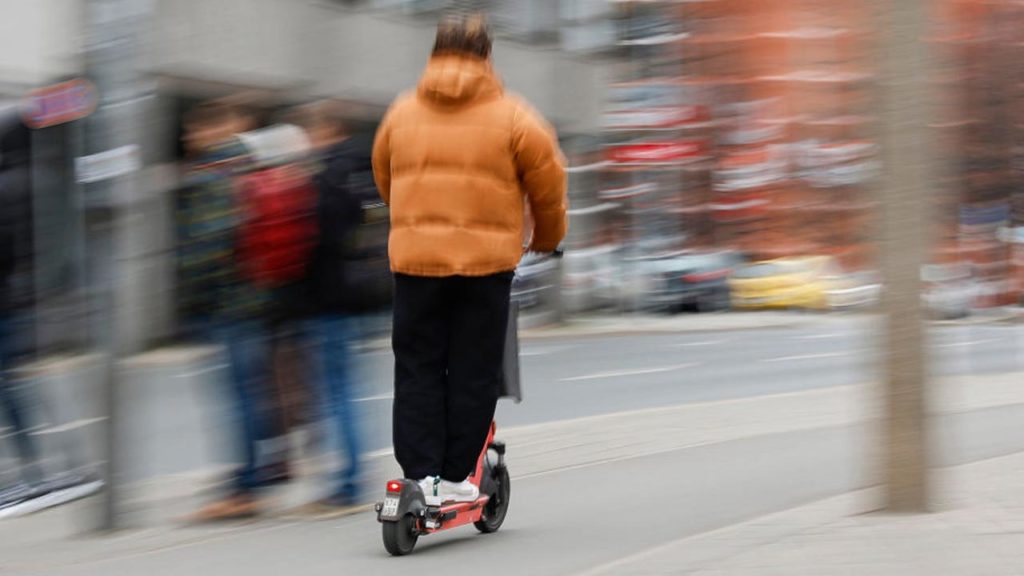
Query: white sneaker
x=464 y=491
x=431 y=490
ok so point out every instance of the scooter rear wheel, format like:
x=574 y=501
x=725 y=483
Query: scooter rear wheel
x=497 y=507
x=400 y=536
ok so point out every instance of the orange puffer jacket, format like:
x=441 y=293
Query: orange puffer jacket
x=458 y=161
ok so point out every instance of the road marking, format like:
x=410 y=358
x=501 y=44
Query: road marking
x=382 y=453
x=378 y=398
x=968 y=343
x=543 y=351
x=696 y=344
x=375 y=352
x=807 y=357
x=623 y=373
x=202 y=371
x=819 y=336
x=51 y=500
x=70 y=426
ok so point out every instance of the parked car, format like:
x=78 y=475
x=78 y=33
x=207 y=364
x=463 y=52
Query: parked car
x=950 y=290
x=535 y=275
x=801 y=283
x=591 y=278
x=855 y=291
x=693 y=280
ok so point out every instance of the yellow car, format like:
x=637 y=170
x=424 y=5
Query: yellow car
x=802 y=283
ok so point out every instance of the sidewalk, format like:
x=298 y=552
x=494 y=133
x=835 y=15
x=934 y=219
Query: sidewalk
x=985 y=494
x=978 y=529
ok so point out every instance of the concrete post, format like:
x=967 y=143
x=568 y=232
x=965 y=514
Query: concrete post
x=906 y=183
x=115 y=42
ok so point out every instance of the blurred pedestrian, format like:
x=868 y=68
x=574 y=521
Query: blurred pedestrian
x=275 y=248
x=220 y=301
x=349 y=278
x=457 y=160
x=22 y=404
x=15 y=406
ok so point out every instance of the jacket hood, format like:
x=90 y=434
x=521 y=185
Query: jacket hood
x=453 y=81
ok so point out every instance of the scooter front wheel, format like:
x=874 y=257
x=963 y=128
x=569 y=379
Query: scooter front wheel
x=497 y=507
x=401 y=535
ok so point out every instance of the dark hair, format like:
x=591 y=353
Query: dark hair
x=323 y=113
x=209 y=113
x=463 y=35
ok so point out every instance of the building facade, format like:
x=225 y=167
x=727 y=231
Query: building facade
x=272 y=53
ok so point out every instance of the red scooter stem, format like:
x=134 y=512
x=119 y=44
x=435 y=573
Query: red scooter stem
x=458 y=514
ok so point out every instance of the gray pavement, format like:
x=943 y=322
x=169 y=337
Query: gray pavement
x=177 y=424
x=976 y=528
x=588 y=492
x=173 y=394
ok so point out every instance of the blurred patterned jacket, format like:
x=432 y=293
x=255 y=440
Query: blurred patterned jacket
x=15 y=241
x=211 y=284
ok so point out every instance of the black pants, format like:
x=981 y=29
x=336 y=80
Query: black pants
x=449 y=336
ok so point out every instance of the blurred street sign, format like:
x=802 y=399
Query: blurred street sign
x=658 y=152
x=59 y=103
x=110 y=164
x=628 y=191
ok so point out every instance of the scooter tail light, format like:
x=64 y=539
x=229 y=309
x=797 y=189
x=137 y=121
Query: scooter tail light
x=394 y=487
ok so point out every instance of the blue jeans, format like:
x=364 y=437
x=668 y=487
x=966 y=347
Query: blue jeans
x=247 y=347
x=16 y=406
x=333 y=337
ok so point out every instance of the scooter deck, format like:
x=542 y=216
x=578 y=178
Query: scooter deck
x=453 y=515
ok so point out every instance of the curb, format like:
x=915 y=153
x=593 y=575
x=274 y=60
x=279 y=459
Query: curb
x=1004 y=315
x=635 y=326
x=700 y=551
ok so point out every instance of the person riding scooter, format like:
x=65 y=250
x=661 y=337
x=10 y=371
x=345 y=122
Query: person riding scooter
x=458 y=161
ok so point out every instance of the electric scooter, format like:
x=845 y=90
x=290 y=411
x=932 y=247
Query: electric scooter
x=405 y=516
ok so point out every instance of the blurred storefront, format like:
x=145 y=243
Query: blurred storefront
x=746 y=123
x=270 y=55
x=979 y=131
x=690 y=126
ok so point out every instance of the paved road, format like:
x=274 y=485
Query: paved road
x=568 y=521
x=569 y=378
x=578 y=377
